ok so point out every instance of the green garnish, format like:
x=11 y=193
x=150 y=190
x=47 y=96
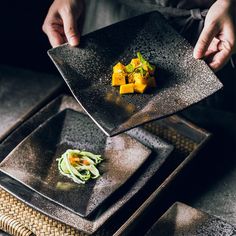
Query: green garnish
x=129 y=68
x=144 y=62
x=78 y=165
x=140 y=57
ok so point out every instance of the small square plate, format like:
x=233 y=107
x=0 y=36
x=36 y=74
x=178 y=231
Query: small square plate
x=87 y=70
x=33 y=161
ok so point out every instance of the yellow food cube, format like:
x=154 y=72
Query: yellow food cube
x=152 y=82
x=127 y=88
x=118 y=79
x=135 y=62
x=139 y=79
x=140 y=88
x=119 y=67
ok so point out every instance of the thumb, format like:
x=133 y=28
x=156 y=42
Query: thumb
x=205 y=38
x=70 y=29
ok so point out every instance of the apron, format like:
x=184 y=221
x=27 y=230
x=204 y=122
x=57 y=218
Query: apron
x=180 y=13
x=187 y=17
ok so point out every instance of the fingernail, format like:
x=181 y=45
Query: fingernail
x=74 y=41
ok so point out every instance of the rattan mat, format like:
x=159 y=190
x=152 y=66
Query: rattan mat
x=19 y=219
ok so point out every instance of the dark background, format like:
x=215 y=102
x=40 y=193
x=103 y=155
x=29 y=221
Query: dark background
x=22 y=41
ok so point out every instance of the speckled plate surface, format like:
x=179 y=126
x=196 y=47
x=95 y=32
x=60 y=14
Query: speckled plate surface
x=110 y=212
x=33 y=162
x=22 y=92
x=181 y=81
x=184 y=220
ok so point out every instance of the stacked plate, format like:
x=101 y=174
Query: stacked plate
x=30 y=171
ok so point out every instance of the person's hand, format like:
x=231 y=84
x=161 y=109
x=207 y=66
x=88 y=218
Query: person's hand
x=61 y=23
x=217 y=42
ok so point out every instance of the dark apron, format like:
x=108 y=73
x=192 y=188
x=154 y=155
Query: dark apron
x=186 y=20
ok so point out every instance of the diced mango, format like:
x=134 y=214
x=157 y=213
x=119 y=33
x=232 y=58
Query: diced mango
x=140 y=88
x=127 y=88
x=135 y=62
x=119 y=67
x=118 y=79
x=137 y=76
x=139 y=79
x=152 y=82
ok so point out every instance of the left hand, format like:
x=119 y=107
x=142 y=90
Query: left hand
x=217 y=41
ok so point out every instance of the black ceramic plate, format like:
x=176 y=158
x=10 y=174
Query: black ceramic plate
x=22 y=92
x=160 y=150
x=184 y=220
x=33 y=162
x=87 y=70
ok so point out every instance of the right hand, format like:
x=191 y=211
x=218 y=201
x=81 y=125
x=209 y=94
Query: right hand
x=61 y=23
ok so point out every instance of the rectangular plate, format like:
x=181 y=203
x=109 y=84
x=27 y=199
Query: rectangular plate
x=114 y=212
x=33 y=161
x=87 y=70
x=15 y=106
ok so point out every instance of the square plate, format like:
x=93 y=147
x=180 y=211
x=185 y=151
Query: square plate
x=114 y=212
x=33 y=162
x=87 y=70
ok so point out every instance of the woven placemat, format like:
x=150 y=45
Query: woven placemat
x=18 y=219
x=181 y=143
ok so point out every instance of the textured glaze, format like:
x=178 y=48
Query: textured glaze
x=33 y=162
x=181 y=80
x=184 y=220
x=22 y=92
x=161 y=151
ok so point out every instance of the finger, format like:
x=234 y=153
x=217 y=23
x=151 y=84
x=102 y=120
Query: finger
x=55 y=39
x=70 y=28
x=219 y=59
x=213 y=48
x=206 y=37
x=228 y=40
x=209 y=56
x=54 y=33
